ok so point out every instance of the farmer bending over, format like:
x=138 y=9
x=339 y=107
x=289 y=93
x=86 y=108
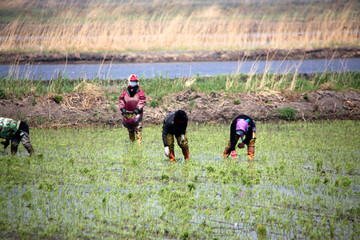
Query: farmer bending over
x=243 y=128
x=175 y=124
x=132 y=102
x=16 y=131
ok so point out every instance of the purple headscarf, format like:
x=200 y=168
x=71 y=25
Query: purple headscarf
x=242 y=125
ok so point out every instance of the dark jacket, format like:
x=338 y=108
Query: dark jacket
x=170 y=127
x=249 y=133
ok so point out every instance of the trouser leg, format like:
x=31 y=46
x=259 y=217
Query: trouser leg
x=25 y=140
x=251 y=153
x=138 y=137
x=226 y=152
x=170 y=141
x=186 y=154
x=138 y=133
x=184 y=147
x=251 y=147
x=172 y=155
x=227 y=149
x=6 y=143
x=132 y=136
x=14 y=145
x=135 y=133
x=25 y=137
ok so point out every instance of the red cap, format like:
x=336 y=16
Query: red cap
x=133 y=77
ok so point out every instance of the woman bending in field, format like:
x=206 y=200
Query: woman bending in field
x=242 y=127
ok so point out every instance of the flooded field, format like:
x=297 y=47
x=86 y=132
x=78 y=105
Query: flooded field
x=91 y=183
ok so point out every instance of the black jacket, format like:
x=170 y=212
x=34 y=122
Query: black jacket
x=248 y=135
x=170 y=127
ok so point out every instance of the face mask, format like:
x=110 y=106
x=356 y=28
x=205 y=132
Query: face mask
x=133 y=84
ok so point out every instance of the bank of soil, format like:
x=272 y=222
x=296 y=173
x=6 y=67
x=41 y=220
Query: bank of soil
x=91 y=107
x=83 y=108
x=178 y=56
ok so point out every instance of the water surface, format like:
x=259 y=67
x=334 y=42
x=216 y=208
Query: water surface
x=178 y=69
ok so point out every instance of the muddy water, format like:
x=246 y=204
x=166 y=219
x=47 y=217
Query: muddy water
x=177 y=69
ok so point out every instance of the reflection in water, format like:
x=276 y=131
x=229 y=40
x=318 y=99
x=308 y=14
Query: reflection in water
x=176 y=69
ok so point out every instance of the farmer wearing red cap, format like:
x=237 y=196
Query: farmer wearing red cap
x=243 y=128
x=132 y=102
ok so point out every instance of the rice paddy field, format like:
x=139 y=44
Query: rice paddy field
x=91 y=183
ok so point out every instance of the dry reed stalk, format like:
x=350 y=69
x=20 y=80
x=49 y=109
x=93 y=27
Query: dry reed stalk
x=251 y=76
x=293 y=82
x=98 y=27
x=229 y=82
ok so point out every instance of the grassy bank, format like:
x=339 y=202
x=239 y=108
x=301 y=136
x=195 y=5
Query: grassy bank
x=90 y=183
x=113 y=26
x=160 y=86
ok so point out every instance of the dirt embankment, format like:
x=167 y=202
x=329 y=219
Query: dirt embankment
x=79 y=109
x=180 y=56
x=83 y=108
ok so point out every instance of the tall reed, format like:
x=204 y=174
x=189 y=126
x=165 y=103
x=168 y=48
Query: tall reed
x=119 y=26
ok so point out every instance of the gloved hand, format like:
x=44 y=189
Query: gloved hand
x=182 y=141
x=123 y=111
x=167 y=151
x=241 y=145
x=136 y=111
x=233 y=154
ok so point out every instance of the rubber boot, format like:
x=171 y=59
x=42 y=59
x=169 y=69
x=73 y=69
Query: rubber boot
x=30 y=150
x=172 y=156
x=226 y=153
x=186 y=154
x=14 y=149
x=132 y=136
x=138 y=138
x=251 y=153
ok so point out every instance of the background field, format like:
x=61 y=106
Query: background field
x=117 y=26
x=90 y=183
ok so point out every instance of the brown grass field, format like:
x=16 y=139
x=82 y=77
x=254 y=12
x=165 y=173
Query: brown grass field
x=123 y=26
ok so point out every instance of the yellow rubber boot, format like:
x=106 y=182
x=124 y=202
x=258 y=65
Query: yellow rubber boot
x=251 y=153
x=226 y=153
x=139 y=138
x=172 y=156
x=186 y=154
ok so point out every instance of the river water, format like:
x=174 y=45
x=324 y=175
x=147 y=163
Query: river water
x=177 y=69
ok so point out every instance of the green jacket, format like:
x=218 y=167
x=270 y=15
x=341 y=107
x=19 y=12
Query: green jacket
x=8 y=127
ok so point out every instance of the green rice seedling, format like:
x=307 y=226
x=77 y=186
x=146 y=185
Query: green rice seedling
x=90 y=181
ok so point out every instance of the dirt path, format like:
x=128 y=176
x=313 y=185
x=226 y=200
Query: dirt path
x=79 y=109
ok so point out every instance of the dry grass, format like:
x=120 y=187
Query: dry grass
x=105 y=27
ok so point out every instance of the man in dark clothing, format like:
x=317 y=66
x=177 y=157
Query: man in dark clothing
x=242 y=126
x=15 y=131
x=175 y=125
